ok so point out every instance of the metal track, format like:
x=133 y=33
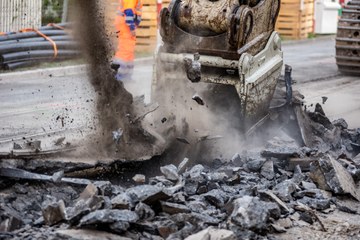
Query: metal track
x=348 y=39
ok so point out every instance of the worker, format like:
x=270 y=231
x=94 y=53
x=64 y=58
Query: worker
x=127 y=19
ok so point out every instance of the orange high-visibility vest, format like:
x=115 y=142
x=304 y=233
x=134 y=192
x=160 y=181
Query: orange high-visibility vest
x=134 y=5
x=128 y=18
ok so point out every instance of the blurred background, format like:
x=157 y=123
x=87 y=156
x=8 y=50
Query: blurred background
x=298 y=19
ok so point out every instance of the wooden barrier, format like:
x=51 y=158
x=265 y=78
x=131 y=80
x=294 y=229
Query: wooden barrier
x=296 y=18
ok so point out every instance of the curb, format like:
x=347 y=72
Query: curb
x=58 y=71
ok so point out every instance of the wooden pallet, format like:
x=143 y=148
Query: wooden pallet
x=295 y=19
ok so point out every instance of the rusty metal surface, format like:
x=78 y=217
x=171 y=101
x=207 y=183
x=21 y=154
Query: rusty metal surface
x=217 y=28
x=204 y=16
x=348 y=39
x=253 y=78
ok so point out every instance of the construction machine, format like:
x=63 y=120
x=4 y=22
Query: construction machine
x=214 y=78
x=217 y=69
x=348 y=39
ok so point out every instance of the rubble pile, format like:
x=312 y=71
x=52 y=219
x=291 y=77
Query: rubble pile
x=252 y=196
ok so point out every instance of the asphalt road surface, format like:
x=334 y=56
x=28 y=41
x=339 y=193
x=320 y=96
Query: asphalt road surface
x=40 y=103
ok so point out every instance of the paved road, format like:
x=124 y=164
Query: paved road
x=33 y=103
x=316 y=74
x=311 y=59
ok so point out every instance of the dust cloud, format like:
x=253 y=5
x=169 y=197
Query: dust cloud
x=114 y=103
x=199 y=132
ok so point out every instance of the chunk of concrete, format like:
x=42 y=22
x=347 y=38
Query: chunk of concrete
x=284 y=190
x=170 y=172
x=267 y=170
x=83 y=234
x=53 y=212
x=331 y=175
x=268 y=195
x=148 y=194
x=144 y=211
x=109 y=216
x=216 y=197
x=122 y=201
x=174 y=208
x=212 y=233
x=83 y=207
x=281 y=148
x=10 y=224
x=89 y=191
x=308 y=185
x=252 y=213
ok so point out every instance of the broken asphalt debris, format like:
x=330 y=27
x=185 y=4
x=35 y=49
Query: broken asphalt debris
x=253 y=195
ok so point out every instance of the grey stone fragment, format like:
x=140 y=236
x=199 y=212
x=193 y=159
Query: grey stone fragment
x=84 y=234
x=182 y=165
x=268 y=195
x=170 y=172
x=89 y=191
x=217 y=176
x=212 y=233
x=356 y=160
x=205 y=218
x=186 y=231
x=174 y=208
x=252 y=213
x=109 y=216
x=166 y=227
x=318 y=204
x=237 y=160
x=298 y=176
x=216 y=198
x=197 y=206
x=267 y=170
x=104 y=187
x=179 y=197
x=147 y=235
x=148 y=194
x=56 y=177
x=145 y=226
x=281 y=148
x=308 y=185
x=314 y=193
x=144 y=211
x=161 y=179
x=306 y=217
x=278 y=228
x=10 y=224
x=53 y=212
x=341 y=123
x=285 y=189
x=255 y=165
x=331 y=175
x=285 y=223
x=195 y=171
x=348 y=206
x=233 y=180
x=83 y=207
x=122 y=201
